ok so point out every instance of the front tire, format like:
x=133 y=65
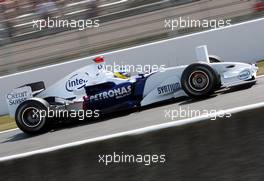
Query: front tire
x=199 y=80
x=31 y=116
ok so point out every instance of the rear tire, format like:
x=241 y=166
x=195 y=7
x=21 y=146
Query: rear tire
x=199 y=80
x=29 y=117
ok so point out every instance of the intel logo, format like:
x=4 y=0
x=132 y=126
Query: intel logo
x=76 y=82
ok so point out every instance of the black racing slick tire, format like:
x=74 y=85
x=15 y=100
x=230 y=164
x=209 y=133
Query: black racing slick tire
x=31 y=116
x=199 y=80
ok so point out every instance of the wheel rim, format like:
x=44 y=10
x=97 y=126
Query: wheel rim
x=31 y=117
x=199 y=80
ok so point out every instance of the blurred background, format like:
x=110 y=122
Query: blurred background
x=123 y=23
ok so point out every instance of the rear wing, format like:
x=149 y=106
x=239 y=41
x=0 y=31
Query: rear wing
x=21 y=94
x=16 y=97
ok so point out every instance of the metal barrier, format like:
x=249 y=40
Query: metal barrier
x=21 y=26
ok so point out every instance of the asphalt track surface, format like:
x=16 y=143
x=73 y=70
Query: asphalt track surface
x=16 y=142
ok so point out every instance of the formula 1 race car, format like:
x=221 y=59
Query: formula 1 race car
x=96 y=89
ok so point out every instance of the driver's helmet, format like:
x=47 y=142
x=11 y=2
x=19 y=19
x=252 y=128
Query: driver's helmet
x=122 y=74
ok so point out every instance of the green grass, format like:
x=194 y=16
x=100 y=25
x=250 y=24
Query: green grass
x=7 y=123
x=260 y=64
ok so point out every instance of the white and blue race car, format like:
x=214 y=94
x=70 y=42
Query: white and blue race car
x=94 y=88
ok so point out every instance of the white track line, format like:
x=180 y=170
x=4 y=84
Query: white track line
x=132 y=132
x=10 y=130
